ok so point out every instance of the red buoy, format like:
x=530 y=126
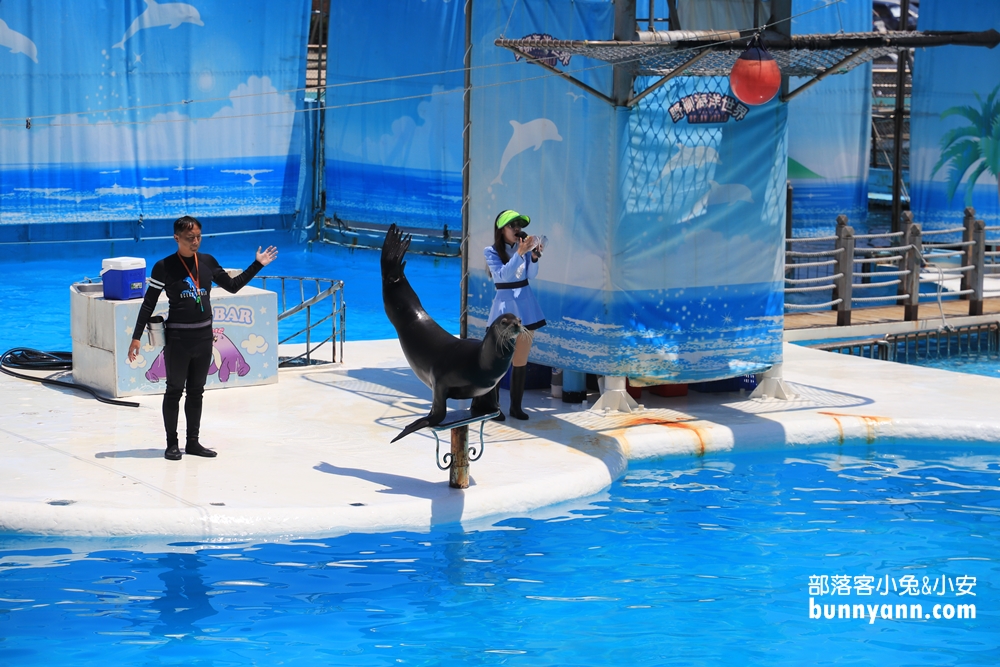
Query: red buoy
x=755 y=77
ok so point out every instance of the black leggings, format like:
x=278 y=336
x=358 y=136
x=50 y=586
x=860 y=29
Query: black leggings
x=187 y=357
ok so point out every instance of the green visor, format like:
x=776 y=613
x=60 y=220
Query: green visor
x=510 y=216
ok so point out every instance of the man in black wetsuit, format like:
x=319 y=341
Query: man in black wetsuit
x=187 y=276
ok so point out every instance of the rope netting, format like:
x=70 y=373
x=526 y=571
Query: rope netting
x=661 y=53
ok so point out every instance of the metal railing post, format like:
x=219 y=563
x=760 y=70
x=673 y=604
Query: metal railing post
x=845 y=267
x=968 y=222
x=912 y=281
x=978 y=258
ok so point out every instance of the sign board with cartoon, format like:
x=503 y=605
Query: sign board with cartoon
x=245 y=349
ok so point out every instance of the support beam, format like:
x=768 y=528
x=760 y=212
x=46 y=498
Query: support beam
x=580 y=84
x=819 y=77
x=676 y=72
x=624 y=73
x=897 y=125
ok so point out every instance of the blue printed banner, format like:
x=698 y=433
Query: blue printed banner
x=665 y=222
x=112 y=110
x=829 y=133
x=955 y=120
x=394 y=113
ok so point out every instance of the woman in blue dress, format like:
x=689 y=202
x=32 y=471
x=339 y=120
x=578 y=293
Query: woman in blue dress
x=512 y=260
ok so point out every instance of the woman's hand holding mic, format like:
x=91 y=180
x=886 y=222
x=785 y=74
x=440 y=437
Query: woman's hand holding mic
x=533 y=244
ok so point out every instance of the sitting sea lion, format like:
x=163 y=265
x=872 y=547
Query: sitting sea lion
x=452 y=367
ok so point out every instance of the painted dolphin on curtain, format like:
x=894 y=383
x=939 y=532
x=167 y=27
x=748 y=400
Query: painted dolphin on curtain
x=689 y=156
x=530 y=134
x=16 y=42
x=156 y=15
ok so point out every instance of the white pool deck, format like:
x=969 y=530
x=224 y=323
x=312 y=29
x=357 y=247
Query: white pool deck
x=310 y=455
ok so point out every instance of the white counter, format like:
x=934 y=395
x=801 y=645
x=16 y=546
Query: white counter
x=246 y=342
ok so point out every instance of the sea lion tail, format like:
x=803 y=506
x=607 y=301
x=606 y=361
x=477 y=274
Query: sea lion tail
x=393 y=250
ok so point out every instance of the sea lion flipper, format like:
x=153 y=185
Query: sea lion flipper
x=415 y=426
x=439 y=408
x=393 y=250
x=485 y=403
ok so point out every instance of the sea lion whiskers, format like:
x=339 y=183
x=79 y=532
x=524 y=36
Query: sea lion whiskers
x=507 y=336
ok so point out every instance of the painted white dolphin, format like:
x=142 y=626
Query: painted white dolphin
x=156 y=15
x=526 y=136
x=727 y=193
x=718 y=193
x=689 y=156
x=16 y=42
x=252 y=173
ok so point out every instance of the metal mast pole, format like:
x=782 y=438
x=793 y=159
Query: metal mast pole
x=463 y=317
x=897 y=122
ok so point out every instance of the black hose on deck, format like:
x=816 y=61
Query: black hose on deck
x=24 y=358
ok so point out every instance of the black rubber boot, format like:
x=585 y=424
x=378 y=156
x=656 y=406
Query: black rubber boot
x=194 y=448
x=517 y=391
x=496 y=395
x=173 y=452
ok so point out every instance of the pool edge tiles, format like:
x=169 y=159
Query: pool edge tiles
x=310 y=455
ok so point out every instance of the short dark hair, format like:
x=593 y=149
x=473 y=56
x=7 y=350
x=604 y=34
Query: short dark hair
x=185 y=224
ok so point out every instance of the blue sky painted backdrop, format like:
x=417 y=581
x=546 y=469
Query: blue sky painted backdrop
x=954 y=116
x=829 y=127
x=394 y=147
x=153 y=108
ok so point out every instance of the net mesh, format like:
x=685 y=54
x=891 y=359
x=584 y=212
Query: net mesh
x=660 y=58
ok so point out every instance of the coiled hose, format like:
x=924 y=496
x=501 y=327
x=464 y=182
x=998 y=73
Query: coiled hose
x=24 y=358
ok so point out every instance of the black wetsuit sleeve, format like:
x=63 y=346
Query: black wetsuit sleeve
x=156 y=279
x=233 y=285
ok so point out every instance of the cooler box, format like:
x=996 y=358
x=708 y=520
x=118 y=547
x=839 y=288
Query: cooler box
x=123 y=278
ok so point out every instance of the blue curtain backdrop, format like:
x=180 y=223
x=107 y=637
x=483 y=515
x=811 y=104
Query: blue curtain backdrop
x=394 y=147
x=147 y=108
x=829 y=127
x=955 y=119
x=665 y=222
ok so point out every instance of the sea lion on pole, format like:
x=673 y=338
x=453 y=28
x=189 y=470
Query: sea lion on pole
x=452 y=367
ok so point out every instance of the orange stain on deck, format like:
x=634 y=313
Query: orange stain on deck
x=871 y=424
x=673 y=423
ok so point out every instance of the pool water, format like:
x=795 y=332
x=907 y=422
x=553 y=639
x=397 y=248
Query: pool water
x=683 y=561
x=35 y=304
x=983 y=364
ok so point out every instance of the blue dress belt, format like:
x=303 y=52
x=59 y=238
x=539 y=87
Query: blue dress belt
x=520 y=283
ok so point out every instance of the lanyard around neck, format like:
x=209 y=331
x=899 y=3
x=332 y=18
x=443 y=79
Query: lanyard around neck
x=194 y=279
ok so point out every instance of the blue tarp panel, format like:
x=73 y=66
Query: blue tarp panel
x=113 y=110
x=665 y=222
x=394 y=113
x=829 y=127
x=955 y=119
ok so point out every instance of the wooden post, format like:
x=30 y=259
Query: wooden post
x=968 y=222
x=978 y=270
x=459 y=476
x=905 y=224
x=843 y=286
x=913 y=280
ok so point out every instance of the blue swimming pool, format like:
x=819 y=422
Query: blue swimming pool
x=719 y=560
x=35 y=303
